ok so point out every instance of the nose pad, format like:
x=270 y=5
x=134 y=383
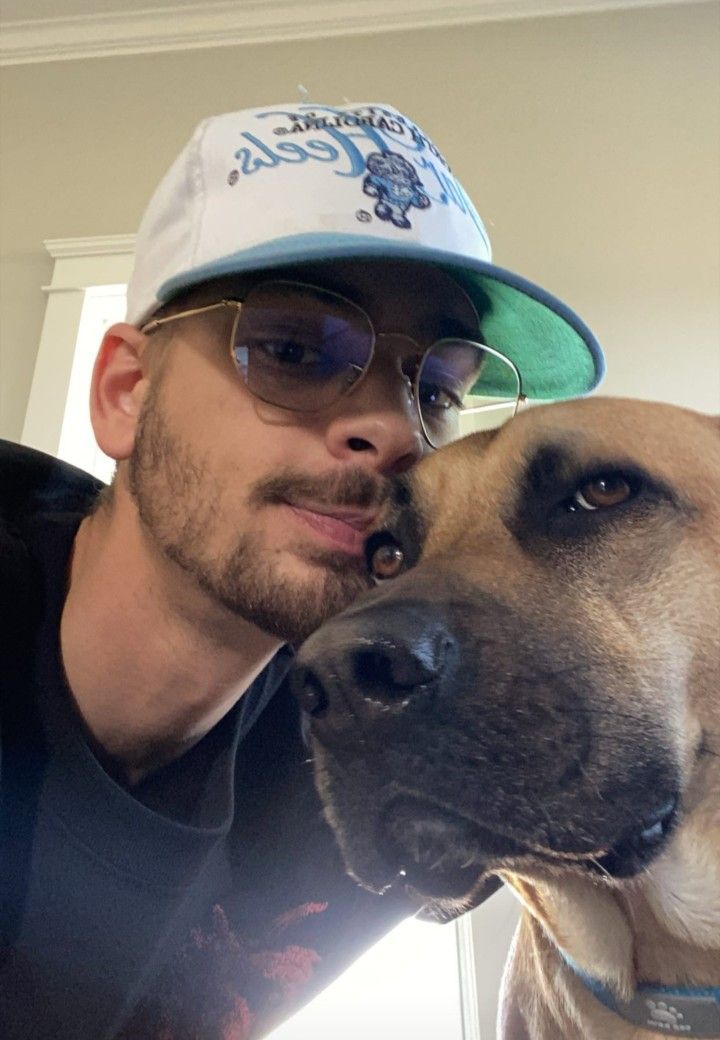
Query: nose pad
x=392 y=668
x=375 y=664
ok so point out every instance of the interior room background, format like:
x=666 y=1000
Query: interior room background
x=589 y=141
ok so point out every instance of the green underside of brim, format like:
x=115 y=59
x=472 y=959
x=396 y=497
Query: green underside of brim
x=552 y=358
x=554 y=351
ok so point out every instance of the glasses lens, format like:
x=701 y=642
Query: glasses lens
x=300 y=347
x=464 y=387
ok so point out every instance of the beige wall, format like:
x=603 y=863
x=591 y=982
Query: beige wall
x=590 y=144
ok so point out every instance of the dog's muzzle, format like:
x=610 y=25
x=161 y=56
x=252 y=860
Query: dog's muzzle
x=452 y=738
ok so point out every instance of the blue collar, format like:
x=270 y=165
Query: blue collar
x=665 y=1010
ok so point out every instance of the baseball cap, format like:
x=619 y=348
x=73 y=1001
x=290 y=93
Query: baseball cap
x=295 y=183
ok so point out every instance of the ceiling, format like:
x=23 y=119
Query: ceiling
x=38 y=10
x=52 y=30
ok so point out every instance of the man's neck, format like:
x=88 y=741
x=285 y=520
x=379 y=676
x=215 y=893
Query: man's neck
x=152 y=663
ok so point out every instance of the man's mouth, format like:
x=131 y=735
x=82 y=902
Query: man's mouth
x=345 y=528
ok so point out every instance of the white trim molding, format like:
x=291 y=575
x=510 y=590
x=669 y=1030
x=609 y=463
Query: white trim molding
x=467 y=966
x=228 y=23
x=82 y=262
x=88 y=273
x=97 y=245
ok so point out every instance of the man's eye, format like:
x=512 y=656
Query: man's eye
x=286 y=351
x=602 y=492
x=438 y=398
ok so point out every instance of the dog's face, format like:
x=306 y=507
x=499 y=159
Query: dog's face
x=536 y=690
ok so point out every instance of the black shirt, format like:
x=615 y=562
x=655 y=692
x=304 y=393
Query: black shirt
x=206 y=903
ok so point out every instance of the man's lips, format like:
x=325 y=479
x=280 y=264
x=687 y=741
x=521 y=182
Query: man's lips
x=345 y=528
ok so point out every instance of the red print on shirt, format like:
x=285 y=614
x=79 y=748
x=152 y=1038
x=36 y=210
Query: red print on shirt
x=223 y=983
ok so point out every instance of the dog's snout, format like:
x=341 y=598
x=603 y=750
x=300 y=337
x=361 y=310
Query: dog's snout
x=393 y=667
x=370 y=672
x=309 y=691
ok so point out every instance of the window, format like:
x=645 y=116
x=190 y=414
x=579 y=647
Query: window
x=407 y=986
x=86 y=294
x=103 y=305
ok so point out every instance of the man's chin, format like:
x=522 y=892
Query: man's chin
x=299 y=592
x=309 y=561
x=316 y=587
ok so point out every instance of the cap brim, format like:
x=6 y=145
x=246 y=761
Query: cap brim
x=555 y=352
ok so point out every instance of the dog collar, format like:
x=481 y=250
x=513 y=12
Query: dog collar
x=666 y=1010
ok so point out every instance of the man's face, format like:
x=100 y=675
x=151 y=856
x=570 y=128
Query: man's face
x=265 y=508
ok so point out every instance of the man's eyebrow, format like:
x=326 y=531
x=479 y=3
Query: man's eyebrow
x=449 y=327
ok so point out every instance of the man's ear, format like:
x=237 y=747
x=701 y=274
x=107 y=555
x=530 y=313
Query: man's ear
x=118 y=387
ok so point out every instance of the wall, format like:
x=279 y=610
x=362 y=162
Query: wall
x=589 y=143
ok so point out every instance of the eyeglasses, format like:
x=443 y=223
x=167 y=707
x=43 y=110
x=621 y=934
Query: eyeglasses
x=303 y=348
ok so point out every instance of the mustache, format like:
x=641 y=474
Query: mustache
x=353 y=488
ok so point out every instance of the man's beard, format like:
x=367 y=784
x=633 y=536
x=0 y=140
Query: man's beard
x=175 y=494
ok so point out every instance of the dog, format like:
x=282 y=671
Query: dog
x=532 y=693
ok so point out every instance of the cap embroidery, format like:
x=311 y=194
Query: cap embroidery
x=340 y=141
x=393 y=181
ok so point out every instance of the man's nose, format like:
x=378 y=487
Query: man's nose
x=377 y=425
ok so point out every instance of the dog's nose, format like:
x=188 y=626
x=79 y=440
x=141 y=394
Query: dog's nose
x=375 y=665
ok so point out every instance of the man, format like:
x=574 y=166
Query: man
x=312 y=307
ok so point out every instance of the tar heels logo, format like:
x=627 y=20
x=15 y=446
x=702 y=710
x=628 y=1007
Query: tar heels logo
x=379 y=148
x=392 y=180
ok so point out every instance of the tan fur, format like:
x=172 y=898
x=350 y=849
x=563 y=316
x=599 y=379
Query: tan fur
x=664 y=925
x=585 y=687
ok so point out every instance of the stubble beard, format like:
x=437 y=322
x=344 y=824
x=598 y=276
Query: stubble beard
x=175 y=494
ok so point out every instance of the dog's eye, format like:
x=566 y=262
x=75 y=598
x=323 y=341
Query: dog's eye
x=385 y=558
x=602 y=492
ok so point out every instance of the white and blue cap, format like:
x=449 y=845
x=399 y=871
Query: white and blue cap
x=291 y=184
